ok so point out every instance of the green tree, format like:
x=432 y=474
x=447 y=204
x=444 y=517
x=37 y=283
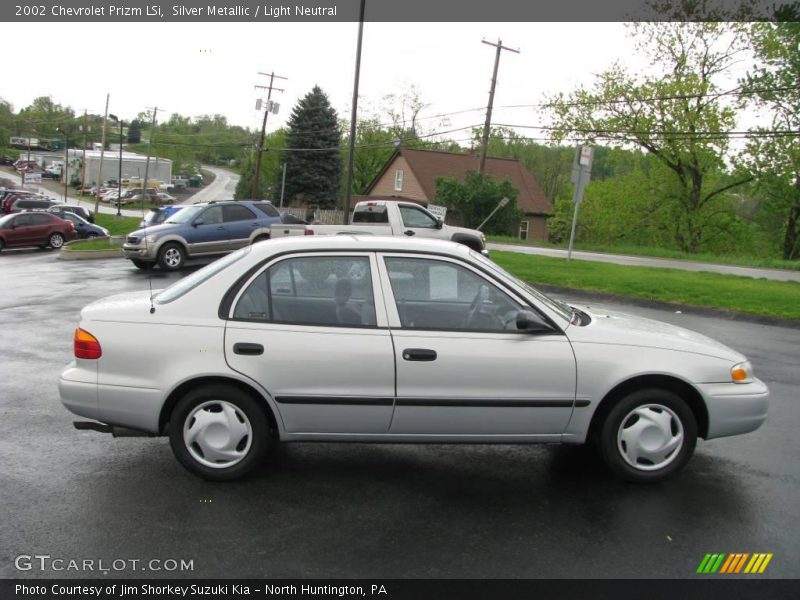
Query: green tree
x=314 y=160
x=475 y=199
x=674 y=113
x=135 y=132
x=772 y=158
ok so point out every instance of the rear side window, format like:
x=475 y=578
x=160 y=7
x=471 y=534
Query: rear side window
x=40 y=219
x=267 y=209
x=327 y=291
x=236 y=212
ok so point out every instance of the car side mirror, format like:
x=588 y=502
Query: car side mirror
x=198 y=222
x=528 y=320
x=439 y=223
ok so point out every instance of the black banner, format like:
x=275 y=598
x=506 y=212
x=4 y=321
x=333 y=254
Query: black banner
x=393 y=589
x=388 y=10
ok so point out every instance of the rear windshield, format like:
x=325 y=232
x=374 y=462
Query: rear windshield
x=371 y=214
x=188 y=283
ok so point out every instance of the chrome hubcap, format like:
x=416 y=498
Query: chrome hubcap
x=56 y=241
x=172 y=257
x=650 y=437
x=217 y=434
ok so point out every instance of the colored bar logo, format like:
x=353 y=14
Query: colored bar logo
x=734 y=563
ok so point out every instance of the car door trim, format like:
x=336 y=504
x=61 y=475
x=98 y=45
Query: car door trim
x=336 y=400
x=492 y=402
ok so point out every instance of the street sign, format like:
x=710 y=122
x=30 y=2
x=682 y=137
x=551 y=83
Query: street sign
x=32 y=178
x=437 y=211
x=587 y=154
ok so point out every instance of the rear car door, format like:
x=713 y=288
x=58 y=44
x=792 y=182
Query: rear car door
x=239 y=222
x=463 y=368
x=312 y=331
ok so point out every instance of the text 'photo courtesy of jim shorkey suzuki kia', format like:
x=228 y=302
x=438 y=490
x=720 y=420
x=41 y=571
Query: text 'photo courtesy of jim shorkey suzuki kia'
x=366 y=338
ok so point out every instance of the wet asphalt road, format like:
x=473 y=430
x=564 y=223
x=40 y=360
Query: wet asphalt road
x=352 y=510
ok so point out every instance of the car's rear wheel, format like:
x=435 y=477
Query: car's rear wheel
x=90 y=236
x=648 y=435
x=171 y=257
x=261 y=238
x=55 y=241
x=2 y=245
x=219 y=432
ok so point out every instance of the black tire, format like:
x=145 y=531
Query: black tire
x=249 y=435
x=171 y=257
x=2 y=244
x=141 y=264
x=91 y=236
x=55 y=241
x=672 y=417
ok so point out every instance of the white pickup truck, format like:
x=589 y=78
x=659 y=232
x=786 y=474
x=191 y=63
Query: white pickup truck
x=390 y=217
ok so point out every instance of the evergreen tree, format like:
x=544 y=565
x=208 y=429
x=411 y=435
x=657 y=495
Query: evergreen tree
x=134 y=132
x=314 y=163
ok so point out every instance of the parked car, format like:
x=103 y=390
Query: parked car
x=164 y=198
x=35 y=229
x=6 y=161
x=405 y=340
x=82 y=212
x=30 y=203
x=11 y=196
x=158 y=215
x=201 y=230
x=390 y=217
x=83 y=228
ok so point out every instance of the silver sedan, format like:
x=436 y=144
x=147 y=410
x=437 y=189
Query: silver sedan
x=370 y=339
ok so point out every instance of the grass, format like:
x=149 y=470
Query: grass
x=117 y=225
x=722 y=259
x=740 y=294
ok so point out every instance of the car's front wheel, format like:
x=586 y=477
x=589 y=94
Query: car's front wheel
x=55 y=241
x=219 y=432
x=648 y=435
x=171 y=257
x=142 y=264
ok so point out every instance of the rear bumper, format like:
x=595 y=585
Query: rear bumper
x=735 y=408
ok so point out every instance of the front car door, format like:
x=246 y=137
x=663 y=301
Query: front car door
x=207 y=233
x=317 y=343
x=463 y=368
x=418 y=222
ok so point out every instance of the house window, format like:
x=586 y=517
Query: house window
x=398 y=180
x=523 y=230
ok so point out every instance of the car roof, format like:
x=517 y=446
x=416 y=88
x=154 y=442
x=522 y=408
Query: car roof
x=364 y=243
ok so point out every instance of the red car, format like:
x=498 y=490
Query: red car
x=35 y=229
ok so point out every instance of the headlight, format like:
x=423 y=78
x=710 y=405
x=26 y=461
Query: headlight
x=742 y=372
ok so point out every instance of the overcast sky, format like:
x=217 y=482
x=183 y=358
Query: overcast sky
x=210 y=68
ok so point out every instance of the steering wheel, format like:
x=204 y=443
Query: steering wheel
x=476 y=318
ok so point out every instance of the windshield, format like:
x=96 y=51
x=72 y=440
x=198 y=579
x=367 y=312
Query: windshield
x=185 y=215
x=188 y=283
x=559 y=307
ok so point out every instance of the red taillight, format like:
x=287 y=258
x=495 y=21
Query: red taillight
x=70 y=226
x=308 y=232
x=86 y=345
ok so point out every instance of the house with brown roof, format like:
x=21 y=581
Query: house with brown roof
x=411 y=174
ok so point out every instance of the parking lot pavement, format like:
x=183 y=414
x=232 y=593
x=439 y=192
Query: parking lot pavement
x=361 y=510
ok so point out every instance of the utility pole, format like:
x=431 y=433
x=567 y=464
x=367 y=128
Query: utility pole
x=353 y=113
x=102 y=151
x=149 y=147
x=85 y=129
x=485 y=137
x=270 y=107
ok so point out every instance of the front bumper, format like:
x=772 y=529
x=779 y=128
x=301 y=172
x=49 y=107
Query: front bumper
x=140 y=252
x=735 y=408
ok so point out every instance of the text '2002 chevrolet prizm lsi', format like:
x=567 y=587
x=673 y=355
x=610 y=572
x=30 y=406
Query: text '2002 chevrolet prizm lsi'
x=379 y=339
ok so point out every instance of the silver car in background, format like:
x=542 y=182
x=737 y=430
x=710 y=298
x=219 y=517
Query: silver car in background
x=377 y=339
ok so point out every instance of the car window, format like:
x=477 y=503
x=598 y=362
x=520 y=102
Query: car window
x=371 y=214
x=267 y=209
x=414 y=217
x=188 y=283
x=23 y=220
x=324 y=290
x=40 y=219
x=236 y=212
x=435 y=294
x=212 y=216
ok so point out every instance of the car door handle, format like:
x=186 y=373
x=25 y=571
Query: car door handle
x=409 y=232
x=220 y=227
x=419 y=354
x=248 y=349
